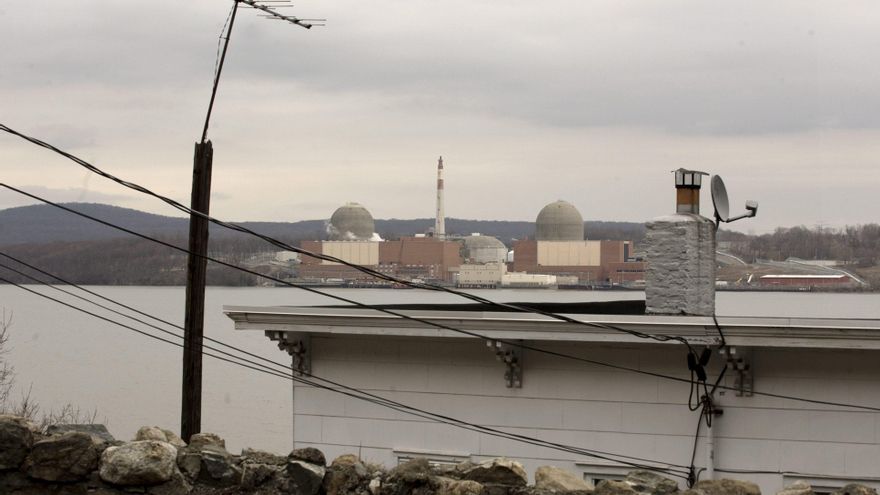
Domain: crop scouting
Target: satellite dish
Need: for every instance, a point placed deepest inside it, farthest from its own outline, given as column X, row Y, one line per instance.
column 722, row 206
column 719, row 200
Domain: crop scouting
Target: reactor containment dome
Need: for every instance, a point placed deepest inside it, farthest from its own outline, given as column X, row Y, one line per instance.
column 351, row 222
column 559, row 221
column 484, row 249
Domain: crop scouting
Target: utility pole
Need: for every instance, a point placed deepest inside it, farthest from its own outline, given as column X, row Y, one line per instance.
column 197, row 264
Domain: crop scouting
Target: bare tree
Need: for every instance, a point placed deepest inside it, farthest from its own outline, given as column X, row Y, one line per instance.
column 7, row 373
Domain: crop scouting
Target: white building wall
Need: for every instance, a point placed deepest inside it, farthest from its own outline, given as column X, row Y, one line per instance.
column 483, row 274
column 569, row 253
column 357, row 252
column 592, row 407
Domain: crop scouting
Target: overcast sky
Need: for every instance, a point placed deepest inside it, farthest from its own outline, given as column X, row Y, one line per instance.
column 592, row 102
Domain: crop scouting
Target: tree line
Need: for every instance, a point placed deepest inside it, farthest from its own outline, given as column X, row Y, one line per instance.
column 854, row 244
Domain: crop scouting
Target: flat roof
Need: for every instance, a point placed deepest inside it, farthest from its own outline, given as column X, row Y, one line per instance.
column 804, row 276
column 830, row 333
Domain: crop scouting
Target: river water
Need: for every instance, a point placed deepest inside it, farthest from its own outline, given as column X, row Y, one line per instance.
column 64, row 356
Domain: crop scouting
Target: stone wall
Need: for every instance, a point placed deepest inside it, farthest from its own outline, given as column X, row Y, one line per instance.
column 86, row 459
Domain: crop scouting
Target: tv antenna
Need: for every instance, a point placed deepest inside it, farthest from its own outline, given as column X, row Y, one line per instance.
column 197, row 265
column 722, row 205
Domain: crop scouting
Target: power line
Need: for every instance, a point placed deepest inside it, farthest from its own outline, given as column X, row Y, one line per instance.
column 439, row 325
column 366, row 396
column 324, row 257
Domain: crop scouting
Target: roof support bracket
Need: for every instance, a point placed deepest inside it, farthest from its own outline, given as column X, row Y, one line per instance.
column 511, row 356
column 298, row 345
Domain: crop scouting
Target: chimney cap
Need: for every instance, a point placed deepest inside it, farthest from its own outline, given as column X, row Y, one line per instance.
column 691, row 179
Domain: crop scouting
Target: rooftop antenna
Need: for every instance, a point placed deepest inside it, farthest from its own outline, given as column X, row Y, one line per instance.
column 191, row 403
column 722, row 205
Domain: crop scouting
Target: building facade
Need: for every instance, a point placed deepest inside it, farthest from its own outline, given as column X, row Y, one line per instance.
column 637, row 406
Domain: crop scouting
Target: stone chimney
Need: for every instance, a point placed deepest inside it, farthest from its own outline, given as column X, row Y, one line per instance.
column 680, row 250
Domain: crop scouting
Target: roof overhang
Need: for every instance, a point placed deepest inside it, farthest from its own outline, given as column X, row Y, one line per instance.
column 823, row 333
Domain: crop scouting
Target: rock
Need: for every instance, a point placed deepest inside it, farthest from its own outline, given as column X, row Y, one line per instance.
column 67, row 457
column 449, row 486
column 411, row 477
column 554, row 479
column 173, row 439
column 855, row 489
column 150, row 433
column 255, row 475
column 200, row 440
column 306, row 478
column 345, row 474
column 727, row 487
column 651, row 483
column 310, row 455
column 190, row 463
column 219, row 467
column 30, row 425
column 144, row 462
column 255, row 456
column 501, row 471
column 175, row 486
column 613, row 487
column 99, row 433
column 16, row 440
column 374, row 486
column 797, row 488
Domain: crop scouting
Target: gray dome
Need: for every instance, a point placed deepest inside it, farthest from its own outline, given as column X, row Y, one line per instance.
column 351, row 222
column 559, row 221
column 484, row 249
column 482, row 241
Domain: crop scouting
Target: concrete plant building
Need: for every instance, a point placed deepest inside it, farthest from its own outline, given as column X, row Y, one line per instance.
column 559, row 248
column 351, row 230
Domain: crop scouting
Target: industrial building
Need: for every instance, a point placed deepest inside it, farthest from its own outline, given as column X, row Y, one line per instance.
column 559, row 248
column 353, row 240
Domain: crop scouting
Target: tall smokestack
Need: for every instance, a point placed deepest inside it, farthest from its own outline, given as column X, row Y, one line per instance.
column 440, row 223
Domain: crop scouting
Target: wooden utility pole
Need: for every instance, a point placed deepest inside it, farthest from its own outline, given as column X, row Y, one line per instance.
column 197, row 266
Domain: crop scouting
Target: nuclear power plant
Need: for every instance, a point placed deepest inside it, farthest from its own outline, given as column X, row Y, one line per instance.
column 558, row 255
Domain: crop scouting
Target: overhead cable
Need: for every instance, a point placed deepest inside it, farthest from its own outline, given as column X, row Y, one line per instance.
column 521, row 345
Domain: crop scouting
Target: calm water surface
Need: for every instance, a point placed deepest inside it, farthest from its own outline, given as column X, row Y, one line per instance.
column 68, row 357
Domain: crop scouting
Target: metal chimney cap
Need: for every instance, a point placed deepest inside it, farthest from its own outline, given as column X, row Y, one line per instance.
column 688, row 178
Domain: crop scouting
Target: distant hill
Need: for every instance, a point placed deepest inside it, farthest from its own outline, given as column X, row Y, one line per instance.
column 40, row 224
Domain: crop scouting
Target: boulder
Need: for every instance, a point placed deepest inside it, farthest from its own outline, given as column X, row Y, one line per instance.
column 727, row 487
column 306, row 478
column 173, row 439
column 200, row 440
column 450, row 486
column 254, row 456
column 651, row 483
column 554, row 479
column 144, row 462
column 310, row 455
column 16, row 440
column 67, row 457
column 177, row 485
column 797, row 488
column 501, row 471
column 219, row 467
column 413, row 476
column 855, row 489
column 613, row 487
column 150, row 433
column 99, row 433
column 256, row 475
